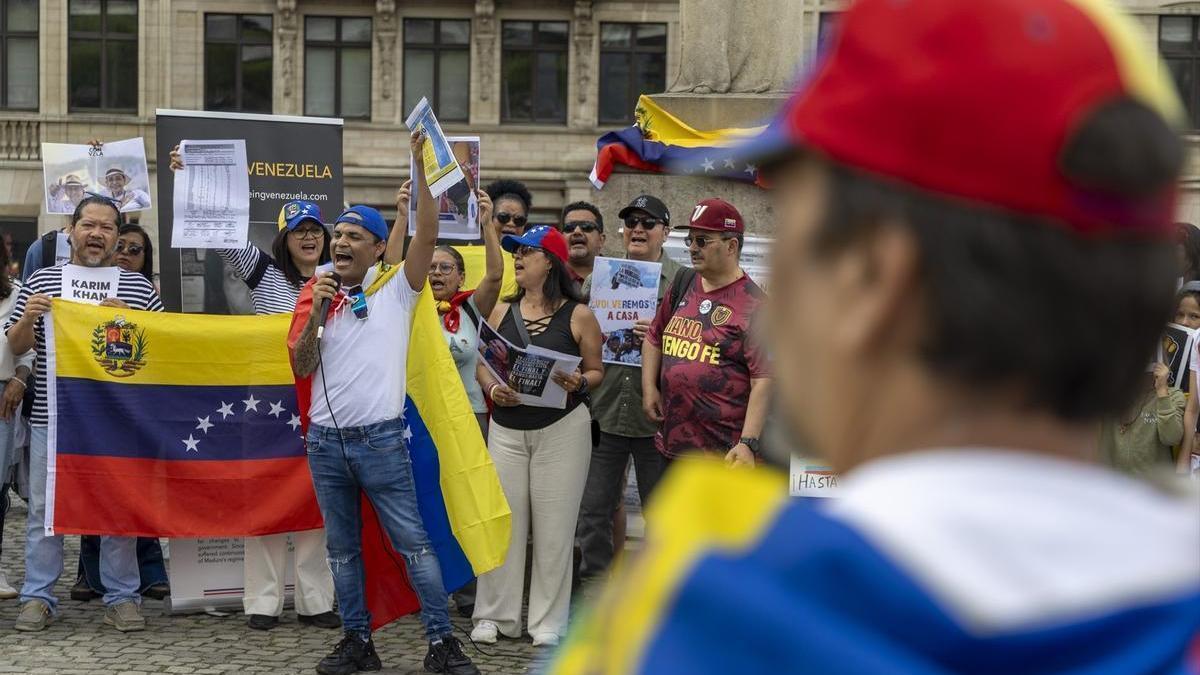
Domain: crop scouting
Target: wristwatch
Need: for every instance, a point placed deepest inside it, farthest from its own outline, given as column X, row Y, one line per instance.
column 751, row 443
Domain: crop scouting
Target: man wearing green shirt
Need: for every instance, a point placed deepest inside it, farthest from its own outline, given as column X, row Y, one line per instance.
column 1140, row 442
column 617, row 404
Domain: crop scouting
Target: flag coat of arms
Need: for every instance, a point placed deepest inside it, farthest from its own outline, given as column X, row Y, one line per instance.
column 173, row 425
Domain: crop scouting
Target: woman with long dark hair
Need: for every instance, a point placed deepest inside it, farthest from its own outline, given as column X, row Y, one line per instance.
column 134, row 251
column 14, row 372
column 1187, row 244
column 541, row 454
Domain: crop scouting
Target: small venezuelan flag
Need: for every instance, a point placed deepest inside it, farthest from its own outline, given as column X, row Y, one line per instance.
column 658, row 141
column 174, row 425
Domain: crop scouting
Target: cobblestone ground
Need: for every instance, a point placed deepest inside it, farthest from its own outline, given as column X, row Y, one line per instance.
column 79, row 642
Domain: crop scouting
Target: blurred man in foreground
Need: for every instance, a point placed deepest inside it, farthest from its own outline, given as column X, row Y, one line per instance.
column 951, row 197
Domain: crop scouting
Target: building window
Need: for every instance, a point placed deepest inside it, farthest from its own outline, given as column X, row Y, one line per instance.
column 237, row 62
column 437, row 65
column 1177, row 41
column 103, row 55
column 19, row 54
column 534, row 65
column 633, row 61
column 826, row 24
column 337, row 66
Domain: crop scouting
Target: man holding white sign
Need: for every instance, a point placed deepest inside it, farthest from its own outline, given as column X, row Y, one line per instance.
column 90, row 278
column 625, row 431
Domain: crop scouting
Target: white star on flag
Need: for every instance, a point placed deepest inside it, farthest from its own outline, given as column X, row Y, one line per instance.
column 707, row 164
column 294, row 423
column 751, row 169
column 251, row 404
column 730, row 164
column 191, row 444
column 408, row 434
column 204, row 425
column 276, row 409
column 226, row 409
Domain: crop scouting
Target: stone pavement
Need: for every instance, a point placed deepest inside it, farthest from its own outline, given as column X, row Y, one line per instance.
column 79, row 642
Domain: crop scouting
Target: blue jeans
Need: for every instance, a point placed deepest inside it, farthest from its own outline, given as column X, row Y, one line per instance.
column 375, row 461
column 151, row 567
column 44, row 555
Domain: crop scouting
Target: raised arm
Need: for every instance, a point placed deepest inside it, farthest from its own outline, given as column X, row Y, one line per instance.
column 420, row 249
column 488, row 290
column 394, row 253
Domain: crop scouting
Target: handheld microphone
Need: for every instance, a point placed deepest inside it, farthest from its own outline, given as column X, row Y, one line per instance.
column 323, row 308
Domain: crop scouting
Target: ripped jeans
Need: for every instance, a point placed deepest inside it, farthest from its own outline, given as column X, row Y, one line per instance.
column 375, row 460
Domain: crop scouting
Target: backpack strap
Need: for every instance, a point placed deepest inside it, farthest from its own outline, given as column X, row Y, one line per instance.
column 680, row 286
column 519, row 321
column 49, row 248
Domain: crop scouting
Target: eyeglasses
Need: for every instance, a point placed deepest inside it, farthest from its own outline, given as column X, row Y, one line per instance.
column 308, row 233
column 132, row 249
column 646, row 224
column 587, row 226
column 444, row 268
column 528, row 250
column 505, row 216
column 701, row 240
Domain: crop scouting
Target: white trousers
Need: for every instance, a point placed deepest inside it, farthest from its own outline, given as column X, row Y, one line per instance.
column 543, row 472
column 265, row 559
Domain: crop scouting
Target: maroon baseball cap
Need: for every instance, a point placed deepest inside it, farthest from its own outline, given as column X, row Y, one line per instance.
column 717, row 215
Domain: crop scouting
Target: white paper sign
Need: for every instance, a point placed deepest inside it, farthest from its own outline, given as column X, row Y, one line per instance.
column 526, row 371
column 811, row 478
column 458, row 206
column 212, row 195
column 89, row 285
column 441, row 167
column 623, row 292
column 208, row 574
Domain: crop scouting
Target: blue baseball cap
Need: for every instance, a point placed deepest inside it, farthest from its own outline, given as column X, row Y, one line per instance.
column 366, row 217
column 294, row 213
column 544, row 237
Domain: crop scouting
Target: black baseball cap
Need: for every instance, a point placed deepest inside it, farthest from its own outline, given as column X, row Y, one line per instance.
column 650, row 204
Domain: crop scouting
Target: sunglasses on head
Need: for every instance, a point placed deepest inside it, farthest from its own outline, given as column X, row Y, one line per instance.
column 588, row 226
column 505, row 216
column 647, row 224
column 131, row 249
column 701, row 240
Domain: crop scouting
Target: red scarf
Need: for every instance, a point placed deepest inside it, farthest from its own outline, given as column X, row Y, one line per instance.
column 451, row 317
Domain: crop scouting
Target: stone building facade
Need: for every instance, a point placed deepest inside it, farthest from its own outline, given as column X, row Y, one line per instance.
column 166, row 61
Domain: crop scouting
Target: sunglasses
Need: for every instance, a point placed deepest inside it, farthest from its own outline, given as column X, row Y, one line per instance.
column 646, row 224
column 587, row 226
column 701, row 240
column 132, row 249
column 528, row 250
column 503, row 217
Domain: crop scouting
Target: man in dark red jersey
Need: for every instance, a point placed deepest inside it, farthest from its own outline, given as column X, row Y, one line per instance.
column 704, row 373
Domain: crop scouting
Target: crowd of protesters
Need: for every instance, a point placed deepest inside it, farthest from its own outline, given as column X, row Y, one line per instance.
column 703, row 386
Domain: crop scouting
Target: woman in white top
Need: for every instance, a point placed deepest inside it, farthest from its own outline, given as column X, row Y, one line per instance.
column 13, row 372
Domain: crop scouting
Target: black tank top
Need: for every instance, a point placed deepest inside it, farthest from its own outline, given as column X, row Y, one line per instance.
column 557, row 335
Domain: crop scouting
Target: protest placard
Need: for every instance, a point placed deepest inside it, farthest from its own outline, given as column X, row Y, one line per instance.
column 526, row 370
column 458, row 207
column 623, row 292
column 1174, row 350
column 89, row 285
column 212, row 195
column 116, row 170
column 812, row 478
column 441, row 168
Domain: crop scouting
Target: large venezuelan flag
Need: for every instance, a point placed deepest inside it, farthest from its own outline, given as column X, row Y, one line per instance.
column 660, row 142
column 458, row 491
column 175, row 425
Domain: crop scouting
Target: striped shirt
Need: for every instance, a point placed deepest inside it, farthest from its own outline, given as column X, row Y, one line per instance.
column 269, row 288
column 133, row 289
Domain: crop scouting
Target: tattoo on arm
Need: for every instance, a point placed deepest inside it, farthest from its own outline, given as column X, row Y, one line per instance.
column 305, row 360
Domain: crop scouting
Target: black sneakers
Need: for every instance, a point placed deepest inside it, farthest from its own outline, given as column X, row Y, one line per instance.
column 328, row 620
column 351, row 655
column 262, row 621
column 447, row 656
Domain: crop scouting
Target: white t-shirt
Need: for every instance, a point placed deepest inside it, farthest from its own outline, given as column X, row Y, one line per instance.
column 364, row 361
